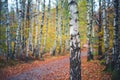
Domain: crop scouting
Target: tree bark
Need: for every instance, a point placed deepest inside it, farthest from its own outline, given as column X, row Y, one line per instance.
column 8, row 38
column 48, row 17
column 41, row 26
column 60, row 28
column 19, row 19
column 99, row 30
column 53, row 50
column 75, row 61
column 89, row 29
column 116, row 43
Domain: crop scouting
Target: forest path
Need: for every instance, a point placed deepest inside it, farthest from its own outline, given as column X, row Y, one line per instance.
column 58, row 69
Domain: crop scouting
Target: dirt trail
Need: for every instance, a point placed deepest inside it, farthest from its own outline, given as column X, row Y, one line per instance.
column 40, row 72
column 58, row 69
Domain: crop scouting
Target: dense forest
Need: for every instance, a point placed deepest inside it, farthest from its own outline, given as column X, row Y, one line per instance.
column 78, row 35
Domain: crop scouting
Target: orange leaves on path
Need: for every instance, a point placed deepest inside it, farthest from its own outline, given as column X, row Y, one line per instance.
column 55, row 68
column 93, row 70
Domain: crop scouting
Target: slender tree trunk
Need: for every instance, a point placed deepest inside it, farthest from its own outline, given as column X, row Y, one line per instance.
column 118, row 57
column 22, row 36
column 41, row 26
column 55, row 44
column 29, row 43
column 53, row 51
column 105, row 26
column 75, row 61
column 48, row 17
column 99, row 30
column 19, row 19
column 30, row 39
column 116, row 43
column 8, row 38
column 36, row 52
column 89, row 29
column 66, row 23
column 61, row 25
column 23, row 23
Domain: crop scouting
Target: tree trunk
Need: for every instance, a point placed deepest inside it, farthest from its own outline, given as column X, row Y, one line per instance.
column 41, row 26
column 89, row 29
column 60, row 28
column 105, row 26
column 53, row 51
column 19, row 19
column 66, row 24
column 116, row 43
column 75, row 61
column 99, row 30
column 48, row 17
column 29, row 41
column 8, row 38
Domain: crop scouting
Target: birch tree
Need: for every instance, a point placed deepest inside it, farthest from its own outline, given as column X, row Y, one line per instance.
column 100, row 29
column 36, row 28
column 66, row 24
column 116, row 43
column 41, row 26
column 19, row 20
column 23, row 23
column 105, row 26
column 61, row 25
column 29, row 43
column 75, row 63
column 47, row 21
column 89, row 28
column 118, row 57
column 53, row 50
column 8, row 38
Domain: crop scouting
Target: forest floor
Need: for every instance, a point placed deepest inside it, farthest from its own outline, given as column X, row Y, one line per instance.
column 54, row 68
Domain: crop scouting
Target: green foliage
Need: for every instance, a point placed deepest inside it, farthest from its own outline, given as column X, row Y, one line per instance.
column 102, row 61
column 82, row 21
column 3, row 46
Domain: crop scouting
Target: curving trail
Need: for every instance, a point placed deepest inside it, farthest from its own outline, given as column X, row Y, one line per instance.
column 43, row 71
column 58, row 69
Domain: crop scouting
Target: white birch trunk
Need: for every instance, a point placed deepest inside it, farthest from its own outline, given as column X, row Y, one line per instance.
column 89, row 29
column 53, row 50
column 105, row 26
column 41, row 27
column 75, row 62
column 116, row 42
column 29, row 41
column 48, row 18
column 8, row 38
column 61, row 26
column 19, row 19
